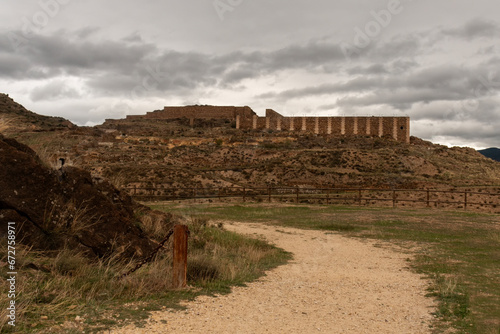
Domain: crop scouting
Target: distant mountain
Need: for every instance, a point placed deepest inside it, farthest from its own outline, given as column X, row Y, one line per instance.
column 14, row 118
column 492, row 153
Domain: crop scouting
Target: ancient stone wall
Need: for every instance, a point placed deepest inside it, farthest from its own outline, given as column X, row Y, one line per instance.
column 192, row 112
column 245, row 118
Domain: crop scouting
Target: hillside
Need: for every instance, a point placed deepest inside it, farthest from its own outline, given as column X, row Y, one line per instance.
column 212, row 153
column 492, row 153
column 19, row 118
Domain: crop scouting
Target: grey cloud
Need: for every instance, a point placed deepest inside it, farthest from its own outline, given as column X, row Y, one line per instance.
column 62, row 51
column 489, row 50
column 398, row 66
column 475, row 28
column 87, row 55
column 86, row 32
column 311, row 56
column 438, row 83
column 237, row 75
column 122, row 65
column 400, row 99
column 371, row 69
column 359, row 84
column 53, row 91
column 397, row 47
column 133, row 38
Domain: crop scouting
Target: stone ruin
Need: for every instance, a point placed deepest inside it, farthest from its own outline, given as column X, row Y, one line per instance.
column 245, row 118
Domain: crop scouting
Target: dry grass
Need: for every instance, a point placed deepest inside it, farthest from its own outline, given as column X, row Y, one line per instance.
column 154, row 225
column 69, row 218
column 66, row 284
column 119, row 180
column 4, row 124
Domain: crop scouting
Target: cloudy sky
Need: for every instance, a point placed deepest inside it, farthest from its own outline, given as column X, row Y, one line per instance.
column 437, row 61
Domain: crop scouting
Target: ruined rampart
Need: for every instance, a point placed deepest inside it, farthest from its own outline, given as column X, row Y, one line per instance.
column 397, row 128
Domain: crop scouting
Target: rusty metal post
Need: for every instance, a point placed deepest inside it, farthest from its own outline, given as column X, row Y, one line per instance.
column 180, row 256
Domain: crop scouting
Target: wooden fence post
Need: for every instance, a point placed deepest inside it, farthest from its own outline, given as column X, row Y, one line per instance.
column 328, row 196
column 359, row 196
column 269, row 193
column 244, row 194
column 394, row 198
column 428, row 198
column 181, row 233
column 297, row 192
column 465, row 201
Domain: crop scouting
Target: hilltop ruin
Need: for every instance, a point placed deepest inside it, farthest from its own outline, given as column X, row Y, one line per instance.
column 245, row 118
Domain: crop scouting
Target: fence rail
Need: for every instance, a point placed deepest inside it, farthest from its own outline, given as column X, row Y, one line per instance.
column 362, row 196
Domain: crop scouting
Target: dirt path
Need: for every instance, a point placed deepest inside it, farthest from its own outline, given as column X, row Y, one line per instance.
column 333, row 285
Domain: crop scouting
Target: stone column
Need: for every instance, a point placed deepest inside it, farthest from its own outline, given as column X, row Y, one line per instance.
column 254, row 122
column 304, row 125
column 268, row 122
column 407, row 130
column 316, row 125
column 329, row 130
column 237, row 121
column 278, row 126
column 292, row 119
column 380, row 126
column 395, row 128
column 368, row 125
column 342, row 125
column 355, row 131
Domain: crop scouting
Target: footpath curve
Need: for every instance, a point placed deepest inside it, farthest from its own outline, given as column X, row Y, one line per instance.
column 334, row 284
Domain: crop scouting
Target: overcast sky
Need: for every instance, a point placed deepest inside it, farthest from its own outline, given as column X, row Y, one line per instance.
column 86, row 60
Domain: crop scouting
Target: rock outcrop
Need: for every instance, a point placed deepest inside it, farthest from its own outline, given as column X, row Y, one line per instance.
column 53, row 209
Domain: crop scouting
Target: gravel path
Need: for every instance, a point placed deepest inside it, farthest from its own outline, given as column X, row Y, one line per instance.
column 333, row 285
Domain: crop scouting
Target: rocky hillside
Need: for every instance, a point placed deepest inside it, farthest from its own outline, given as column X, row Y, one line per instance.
column 18, row 118
column 213, row 153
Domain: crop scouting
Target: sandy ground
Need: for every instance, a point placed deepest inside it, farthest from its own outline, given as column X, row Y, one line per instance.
column 333, row 285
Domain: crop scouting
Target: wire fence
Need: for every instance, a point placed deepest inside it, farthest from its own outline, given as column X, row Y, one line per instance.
column 482, row 198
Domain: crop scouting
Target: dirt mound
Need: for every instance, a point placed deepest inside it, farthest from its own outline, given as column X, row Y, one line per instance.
column 67, row 207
